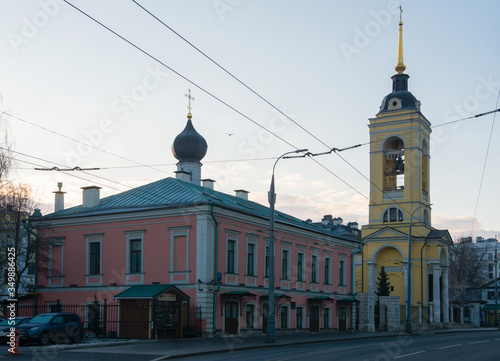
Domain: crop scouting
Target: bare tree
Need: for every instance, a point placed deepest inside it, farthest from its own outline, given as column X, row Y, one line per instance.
column 19, row 242
column 466, row 264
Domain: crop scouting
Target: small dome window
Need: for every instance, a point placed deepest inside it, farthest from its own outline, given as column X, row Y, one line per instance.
column 394, row 103
column 392, row 215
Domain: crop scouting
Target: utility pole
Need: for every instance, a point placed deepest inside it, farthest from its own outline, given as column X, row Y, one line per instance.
column 496, row 281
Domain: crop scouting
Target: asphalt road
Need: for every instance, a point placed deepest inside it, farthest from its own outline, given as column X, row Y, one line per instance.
column 473, row 346
column 456, row 346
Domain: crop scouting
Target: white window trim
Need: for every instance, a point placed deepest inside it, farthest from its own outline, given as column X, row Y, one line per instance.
column 234, row 238
column 283, row 250
column 303, row 319
column 327, row 257
column 134, row 235
column 316, row 268
column 254, row 326
column 255, row 250
column 94, row 238
column 343, row 281
column 303, row 275
column 178, row 232
column 329, row 317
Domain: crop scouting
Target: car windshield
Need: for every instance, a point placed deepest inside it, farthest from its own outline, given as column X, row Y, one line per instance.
column 6, row 322
column 41, row 319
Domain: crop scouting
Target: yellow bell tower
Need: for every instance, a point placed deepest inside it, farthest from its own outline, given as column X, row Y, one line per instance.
column 400, row 207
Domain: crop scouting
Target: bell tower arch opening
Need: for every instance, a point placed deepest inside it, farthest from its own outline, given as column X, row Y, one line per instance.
column 394, row 163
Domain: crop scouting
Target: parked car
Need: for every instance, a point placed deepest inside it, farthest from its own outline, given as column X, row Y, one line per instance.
column 52, row 327
column 5, row 326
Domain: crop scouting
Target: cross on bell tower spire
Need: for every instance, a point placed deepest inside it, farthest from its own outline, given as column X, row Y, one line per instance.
column 189, row 104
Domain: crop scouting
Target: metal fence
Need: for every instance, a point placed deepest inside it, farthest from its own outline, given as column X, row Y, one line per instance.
column 108, row 320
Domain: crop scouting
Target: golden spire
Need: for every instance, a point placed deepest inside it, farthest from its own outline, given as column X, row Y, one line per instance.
column 400, row 68
column 189, row 105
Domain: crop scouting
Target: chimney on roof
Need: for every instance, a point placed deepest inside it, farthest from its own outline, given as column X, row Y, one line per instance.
column 59, row 198
column 208, row 183
column 241, row 193
column 91, row 196
column 353, row 225
column 183, row 175
column 326, row 219
column 337, row 221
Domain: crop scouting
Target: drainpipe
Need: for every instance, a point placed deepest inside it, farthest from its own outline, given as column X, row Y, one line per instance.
column 216, row 262
column 353, row 274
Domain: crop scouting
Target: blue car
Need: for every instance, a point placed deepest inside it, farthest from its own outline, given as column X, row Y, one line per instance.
column 5, row 326
column 52, row 327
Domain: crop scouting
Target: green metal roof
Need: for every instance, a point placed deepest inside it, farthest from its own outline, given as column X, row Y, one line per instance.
column 491, row 307
column 320, row 298
column 174, row 193
column 238, row 293
column 144, row 291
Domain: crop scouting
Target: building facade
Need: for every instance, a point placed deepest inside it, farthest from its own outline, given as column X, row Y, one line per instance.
column 399, row 235
column 213, row 247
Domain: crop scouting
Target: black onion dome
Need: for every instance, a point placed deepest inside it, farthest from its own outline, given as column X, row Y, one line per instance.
column 189, row 145
column 400, row 98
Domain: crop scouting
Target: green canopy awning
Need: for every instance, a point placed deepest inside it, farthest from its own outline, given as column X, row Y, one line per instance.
column 491, row 307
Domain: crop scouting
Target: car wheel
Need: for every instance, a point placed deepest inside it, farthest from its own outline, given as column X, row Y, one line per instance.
column 44, row 339
column 78, row 337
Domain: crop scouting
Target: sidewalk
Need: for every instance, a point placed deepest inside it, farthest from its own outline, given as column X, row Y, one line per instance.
column 177, row 348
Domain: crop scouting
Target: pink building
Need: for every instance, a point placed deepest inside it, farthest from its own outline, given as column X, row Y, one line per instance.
column 210, row 245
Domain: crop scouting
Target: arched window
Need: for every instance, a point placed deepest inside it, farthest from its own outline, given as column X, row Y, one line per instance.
column 425, row 166
column 392, row 215
column 426, row 216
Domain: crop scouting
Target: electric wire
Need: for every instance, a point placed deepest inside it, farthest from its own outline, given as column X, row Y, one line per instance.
column 177, row 73
column 230, row 74
column 484, row 167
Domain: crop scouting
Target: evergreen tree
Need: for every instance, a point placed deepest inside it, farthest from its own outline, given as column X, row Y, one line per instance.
column 383, row 285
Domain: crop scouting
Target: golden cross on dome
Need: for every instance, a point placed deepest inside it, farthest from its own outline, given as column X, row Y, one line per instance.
column 190, row 98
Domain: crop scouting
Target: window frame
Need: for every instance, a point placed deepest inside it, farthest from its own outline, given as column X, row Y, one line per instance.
column 314, row 268
column 230, row 256
column 300, row 266
column 285, row 264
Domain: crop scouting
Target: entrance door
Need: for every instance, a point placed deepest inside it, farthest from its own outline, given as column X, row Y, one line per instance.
column 314, row 319
column 265, row 314
column 342, row 319
column 231, row 317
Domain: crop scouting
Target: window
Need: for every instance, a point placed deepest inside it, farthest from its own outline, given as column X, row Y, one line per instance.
column 249, row 316
column 314, row 271
column 266, row 272
column 342, row 272
column 300, row 266
column 284, row 264
column 250, row 259
column 490, row 256
column 230, row 256
column 393, row 215
column 135, row 256
column 490, row 271
column 326, row 318
column 94, row 258
column 426, row 216
column 299, row 314
column 491, row 295
column 284, row 316
column 327, row 270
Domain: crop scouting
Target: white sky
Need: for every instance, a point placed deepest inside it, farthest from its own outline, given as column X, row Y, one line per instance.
column 327, row 64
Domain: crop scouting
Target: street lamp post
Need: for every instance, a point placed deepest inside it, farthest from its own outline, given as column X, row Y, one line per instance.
column 408, row 328
column 271, row 319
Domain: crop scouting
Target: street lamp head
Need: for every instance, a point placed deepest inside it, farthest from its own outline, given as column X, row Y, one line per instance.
column 301, row 150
